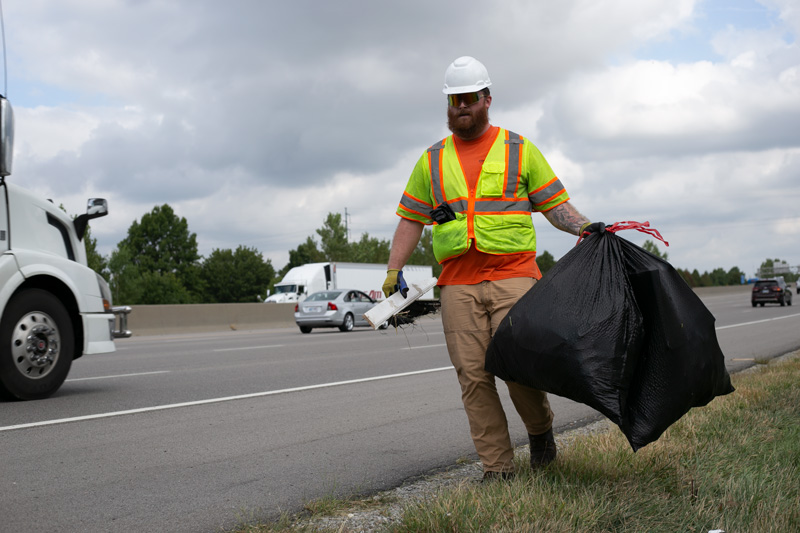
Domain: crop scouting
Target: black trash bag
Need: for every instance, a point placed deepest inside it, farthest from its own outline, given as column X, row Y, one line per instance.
column 576, row 333
column 615, row 328
column 681, row 365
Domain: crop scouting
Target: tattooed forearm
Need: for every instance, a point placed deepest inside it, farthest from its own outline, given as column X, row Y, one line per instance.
column 566, row 218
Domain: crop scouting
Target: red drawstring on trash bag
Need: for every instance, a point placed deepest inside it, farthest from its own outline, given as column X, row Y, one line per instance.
column 644, row 227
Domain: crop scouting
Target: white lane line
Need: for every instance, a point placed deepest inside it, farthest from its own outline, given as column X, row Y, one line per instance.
column 423, row 347
column 217, row 400
column 757, row 321
column 122, row 375
column 250, row 348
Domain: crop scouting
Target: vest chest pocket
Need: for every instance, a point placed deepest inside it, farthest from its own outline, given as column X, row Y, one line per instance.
column 492, row 180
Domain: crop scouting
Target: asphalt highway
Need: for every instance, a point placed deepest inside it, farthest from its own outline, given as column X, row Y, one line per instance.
column 196, row 433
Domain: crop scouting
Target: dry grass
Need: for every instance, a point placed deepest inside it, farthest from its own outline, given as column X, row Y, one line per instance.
column 732, row 465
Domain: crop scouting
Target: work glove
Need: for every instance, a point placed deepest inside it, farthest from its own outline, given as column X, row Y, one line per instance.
column 394, row 283
column 443, row 213
column 592, row 227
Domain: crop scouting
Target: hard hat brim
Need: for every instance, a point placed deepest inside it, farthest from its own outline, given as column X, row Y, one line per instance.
column 465, row 88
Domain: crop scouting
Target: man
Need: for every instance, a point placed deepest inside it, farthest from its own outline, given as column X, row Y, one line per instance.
column 479, row 187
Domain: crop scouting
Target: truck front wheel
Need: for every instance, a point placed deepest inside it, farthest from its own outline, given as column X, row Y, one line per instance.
column 36, row 346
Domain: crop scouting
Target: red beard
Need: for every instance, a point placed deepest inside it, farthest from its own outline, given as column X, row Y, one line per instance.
column 465, row 123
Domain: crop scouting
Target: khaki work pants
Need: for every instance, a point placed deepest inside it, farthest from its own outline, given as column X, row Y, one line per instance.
column 470, row 315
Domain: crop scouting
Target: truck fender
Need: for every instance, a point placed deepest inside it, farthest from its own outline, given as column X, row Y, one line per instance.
column 10, row 279
column 79, row 279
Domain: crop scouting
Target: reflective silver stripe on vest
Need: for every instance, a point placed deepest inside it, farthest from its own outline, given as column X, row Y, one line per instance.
column 548, row 192
column 459, row 206
column 416, row 206
column 488, row 206
column 436, row 178
column 514, row 143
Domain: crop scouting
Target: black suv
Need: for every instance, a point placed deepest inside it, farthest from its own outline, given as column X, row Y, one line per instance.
column 771, row 290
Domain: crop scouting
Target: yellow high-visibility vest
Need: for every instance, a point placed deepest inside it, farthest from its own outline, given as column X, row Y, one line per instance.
column 497, row 216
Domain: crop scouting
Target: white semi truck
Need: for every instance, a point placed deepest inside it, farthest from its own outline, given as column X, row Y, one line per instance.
column 53, row 307
column 303, row 280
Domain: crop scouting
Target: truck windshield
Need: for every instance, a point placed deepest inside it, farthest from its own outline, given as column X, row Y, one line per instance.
column 280, row 289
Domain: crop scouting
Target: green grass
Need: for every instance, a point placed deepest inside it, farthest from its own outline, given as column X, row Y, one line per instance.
column 732, row 465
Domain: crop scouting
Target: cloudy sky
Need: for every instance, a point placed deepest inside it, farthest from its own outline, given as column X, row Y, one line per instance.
column 253, row 119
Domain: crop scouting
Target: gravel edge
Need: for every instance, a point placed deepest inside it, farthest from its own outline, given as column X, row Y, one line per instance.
column 386, row 507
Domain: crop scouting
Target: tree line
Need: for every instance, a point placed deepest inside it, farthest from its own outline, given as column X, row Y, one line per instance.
column 158, row 262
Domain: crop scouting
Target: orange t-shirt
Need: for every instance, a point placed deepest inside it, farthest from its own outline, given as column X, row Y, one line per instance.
column 475, row 266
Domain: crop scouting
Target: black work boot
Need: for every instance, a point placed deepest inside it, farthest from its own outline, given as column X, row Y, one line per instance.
column 490, row 476
column 543, row 449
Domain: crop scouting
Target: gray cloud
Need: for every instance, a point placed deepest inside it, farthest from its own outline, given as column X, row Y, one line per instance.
column 256, row 118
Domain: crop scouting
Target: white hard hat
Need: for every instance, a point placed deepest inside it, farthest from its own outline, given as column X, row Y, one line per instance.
column 465, row 75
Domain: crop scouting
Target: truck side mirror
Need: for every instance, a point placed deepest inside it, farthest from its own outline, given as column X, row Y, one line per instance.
column 6, row 136
column 95, row 208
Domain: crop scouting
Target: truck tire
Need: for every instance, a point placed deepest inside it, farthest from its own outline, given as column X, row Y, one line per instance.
column 348, row 323
column 37, row 345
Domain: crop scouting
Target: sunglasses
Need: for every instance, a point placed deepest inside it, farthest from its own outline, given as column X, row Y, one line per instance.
column 467, row 99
